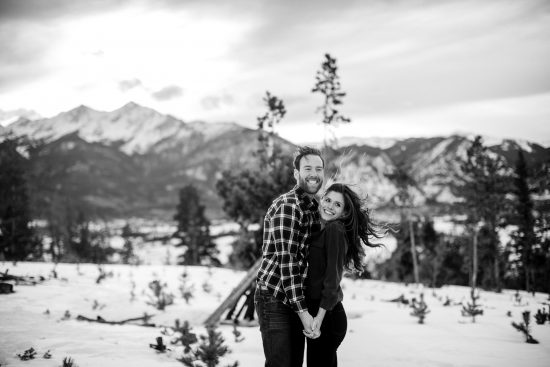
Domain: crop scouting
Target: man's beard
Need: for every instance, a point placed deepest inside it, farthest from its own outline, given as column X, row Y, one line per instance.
column 310, row 189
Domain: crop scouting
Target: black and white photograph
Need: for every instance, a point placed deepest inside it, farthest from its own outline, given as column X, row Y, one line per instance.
column 249, row 183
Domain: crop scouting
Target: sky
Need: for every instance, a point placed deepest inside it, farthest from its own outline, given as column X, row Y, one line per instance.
column 409, row 68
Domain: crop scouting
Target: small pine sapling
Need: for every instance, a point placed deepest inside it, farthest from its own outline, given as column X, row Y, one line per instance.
column 69, row 362
column 541, row 316
column 102, row 275
column 186, row 337
column 472, row 309
column 509, row 313
column 524, row 328
column 518, row 299
column 211, row 348
column 160, row 298
column 420, row 309
column 47, row 355
column 66, row 315
column 28, row 354
column 186, row 289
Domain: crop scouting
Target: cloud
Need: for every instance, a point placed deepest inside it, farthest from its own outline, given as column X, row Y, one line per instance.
column 215, row 102
column 53, row 9
column 168, row 92
column 126, row 85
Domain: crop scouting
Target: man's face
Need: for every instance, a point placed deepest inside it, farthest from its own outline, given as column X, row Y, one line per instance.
column 311, row 174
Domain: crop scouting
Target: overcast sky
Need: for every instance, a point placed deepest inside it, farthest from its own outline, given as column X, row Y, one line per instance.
column 410, row 68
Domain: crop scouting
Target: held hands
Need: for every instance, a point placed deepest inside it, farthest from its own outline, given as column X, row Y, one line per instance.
column 307, row 321
column 312, row 325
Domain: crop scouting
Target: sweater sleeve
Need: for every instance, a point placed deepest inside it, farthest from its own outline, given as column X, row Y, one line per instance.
column 336, row 248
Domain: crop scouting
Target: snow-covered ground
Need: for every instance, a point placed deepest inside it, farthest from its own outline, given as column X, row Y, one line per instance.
column 380, row 333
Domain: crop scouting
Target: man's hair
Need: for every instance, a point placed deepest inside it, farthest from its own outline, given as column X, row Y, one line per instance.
column 302, row 152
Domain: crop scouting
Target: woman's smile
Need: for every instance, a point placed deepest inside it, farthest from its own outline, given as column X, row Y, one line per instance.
column 332, row 206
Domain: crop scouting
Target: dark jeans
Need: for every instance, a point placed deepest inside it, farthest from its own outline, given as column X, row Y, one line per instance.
column 322, row 351
column 281, row 330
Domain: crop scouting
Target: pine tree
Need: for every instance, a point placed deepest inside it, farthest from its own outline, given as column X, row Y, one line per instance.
column 212, row 347
column 525, row 328
column 405, row 201
column 472, row 309
column 266, row 130
column 327, row 82
column 433, row 253
column 159, row 298
column 194, row 229
column 209, row 351
column 127, row 253
column 524, row 238
column 541, row 252
column 247, row 193
column 420, row 309
column 17, row 237
column 484, row 190
column 541, row 316
column 186, row 336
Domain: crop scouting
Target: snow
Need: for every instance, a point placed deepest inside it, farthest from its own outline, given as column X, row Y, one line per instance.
column 380, row 333
column 376, row 142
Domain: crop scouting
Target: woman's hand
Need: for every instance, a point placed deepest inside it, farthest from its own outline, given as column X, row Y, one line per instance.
column 318, row 321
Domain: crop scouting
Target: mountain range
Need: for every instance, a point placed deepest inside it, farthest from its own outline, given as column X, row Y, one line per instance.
column 132, row 161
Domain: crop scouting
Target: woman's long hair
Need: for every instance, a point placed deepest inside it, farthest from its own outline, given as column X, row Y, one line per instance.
column 358, row 225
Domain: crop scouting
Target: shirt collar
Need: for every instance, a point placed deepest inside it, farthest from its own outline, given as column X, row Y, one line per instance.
column 308, row 201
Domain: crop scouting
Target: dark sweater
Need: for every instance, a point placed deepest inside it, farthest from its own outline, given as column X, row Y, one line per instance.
column 326, row 258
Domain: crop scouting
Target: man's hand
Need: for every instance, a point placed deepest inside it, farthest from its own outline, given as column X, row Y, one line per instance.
column 307, row 320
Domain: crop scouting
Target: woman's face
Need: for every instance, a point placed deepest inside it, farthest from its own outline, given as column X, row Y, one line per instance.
column 332, row 206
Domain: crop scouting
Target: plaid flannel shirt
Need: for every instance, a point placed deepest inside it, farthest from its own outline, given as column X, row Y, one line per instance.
column 290, row 221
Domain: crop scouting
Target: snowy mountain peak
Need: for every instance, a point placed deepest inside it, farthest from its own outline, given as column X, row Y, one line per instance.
column 9, row 117
column 138, row 128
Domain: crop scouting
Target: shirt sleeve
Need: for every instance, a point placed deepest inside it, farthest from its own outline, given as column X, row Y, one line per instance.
column 287, row 236
column 335, row 247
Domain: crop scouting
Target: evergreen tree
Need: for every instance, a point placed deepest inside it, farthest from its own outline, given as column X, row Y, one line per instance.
column 433, row 254
column 405, row 201
column 327, row 82
column 484, row 189
column 472, row 309
column 266, row 130
column 524, row 328
column 524, row 238
column 194, row 229
column 17, row 237
column 419, row 309
column 127, row 253
column 541, row 253
column 247, row 193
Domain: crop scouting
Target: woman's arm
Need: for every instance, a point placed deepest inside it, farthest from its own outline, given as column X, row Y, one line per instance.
column 335, row 253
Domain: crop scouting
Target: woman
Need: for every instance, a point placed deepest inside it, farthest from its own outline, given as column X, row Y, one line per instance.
column 337, row 247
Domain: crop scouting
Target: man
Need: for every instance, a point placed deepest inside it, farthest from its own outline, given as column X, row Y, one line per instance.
column 280, row 303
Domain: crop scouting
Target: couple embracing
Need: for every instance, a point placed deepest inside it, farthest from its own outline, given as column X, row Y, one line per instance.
column 306, row 247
